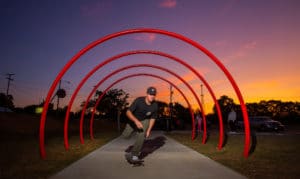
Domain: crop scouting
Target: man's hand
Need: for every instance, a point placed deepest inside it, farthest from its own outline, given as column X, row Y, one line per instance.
column 151, row 124
column 139, row 125
column 148, row 133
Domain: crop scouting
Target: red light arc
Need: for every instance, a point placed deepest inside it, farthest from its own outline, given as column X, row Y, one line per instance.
column 135, row 75
column 143, row 30
column 125, row 68
column 170, row 57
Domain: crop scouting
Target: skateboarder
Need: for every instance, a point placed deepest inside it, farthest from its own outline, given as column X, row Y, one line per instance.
column 142, row 114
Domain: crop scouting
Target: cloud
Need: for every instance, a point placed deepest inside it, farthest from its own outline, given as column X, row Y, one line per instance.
column 94, row 9
column 250, row 45
column 228, row 7
column 243, row 51
column 221, row 43
column 190, row 78
column 168, row 4
column 146, row 37
column 218, row 83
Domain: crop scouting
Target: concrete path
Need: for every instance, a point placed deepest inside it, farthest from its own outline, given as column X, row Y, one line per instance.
column 164, row 159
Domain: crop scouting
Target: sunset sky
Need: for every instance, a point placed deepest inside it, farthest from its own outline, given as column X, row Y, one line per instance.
column 258, row 41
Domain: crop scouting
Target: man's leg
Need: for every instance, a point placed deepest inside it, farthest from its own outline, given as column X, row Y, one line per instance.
column 127, row 131
column 140, row 138
column 126, row 134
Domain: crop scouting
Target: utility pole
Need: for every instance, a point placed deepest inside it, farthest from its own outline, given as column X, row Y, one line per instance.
column 202, row 96
column 171, row 99
column 57, row 104
column 118, row 119
column 9, row 75
column 170, row 109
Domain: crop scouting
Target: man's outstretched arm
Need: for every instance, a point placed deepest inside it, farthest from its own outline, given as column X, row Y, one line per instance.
column 151, row 124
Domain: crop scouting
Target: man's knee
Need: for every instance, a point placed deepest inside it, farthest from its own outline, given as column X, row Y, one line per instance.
column 140, row 134
column 125, row 136
column 127, row 132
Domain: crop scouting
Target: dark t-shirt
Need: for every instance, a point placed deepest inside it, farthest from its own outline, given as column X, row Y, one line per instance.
column 141, row 110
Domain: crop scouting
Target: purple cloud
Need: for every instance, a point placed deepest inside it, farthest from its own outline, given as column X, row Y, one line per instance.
column 146, row 37
column 168, row 4
column 94, row 9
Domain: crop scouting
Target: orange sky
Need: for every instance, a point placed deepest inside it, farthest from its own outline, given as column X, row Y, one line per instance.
column 257, row 41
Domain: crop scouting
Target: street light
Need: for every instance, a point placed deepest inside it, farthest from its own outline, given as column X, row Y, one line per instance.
column 61, row 93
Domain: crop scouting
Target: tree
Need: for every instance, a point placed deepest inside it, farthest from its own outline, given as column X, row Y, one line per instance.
column 283, row 111
column 182, row 114
column 162, row 106
column 114, row 101
column 6, row 101
column 226, row 104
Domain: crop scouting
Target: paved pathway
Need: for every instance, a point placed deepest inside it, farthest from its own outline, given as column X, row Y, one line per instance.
column 164, row 158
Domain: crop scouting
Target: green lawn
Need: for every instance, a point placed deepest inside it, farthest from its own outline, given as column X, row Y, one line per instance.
column 20, row 157
column 275, row 156
column 19, row 151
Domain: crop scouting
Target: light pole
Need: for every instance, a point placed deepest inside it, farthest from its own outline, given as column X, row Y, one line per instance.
column 61, row 93
column 170, row 109
column 202, row 97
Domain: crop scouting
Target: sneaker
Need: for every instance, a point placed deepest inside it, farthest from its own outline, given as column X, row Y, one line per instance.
column 135, row 159
column 132, row 158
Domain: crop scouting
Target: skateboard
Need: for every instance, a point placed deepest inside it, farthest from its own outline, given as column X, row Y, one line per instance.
column 134, row 163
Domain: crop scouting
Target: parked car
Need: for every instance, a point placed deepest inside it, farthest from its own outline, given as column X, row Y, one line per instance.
column 262, row 123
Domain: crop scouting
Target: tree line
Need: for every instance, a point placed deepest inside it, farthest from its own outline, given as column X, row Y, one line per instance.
column 115, row 102
column 286, row 112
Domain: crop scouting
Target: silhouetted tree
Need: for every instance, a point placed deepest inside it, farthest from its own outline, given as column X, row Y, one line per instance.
column 6, row 101
column 282, row 111
column 113, row 101
column 30, row 108
column 226, row 104
column 182, row 114
column 161, row 108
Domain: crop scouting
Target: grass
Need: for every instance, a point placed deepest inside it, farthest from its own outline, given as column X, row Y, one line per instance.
column 275, row 156
column 19, row 151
